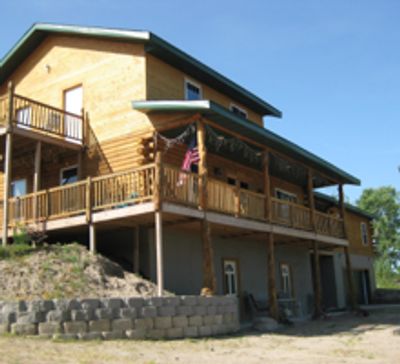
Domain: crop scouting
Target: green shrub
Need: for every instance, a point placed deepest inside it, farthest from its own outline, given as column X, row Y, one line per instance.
column 15, row 250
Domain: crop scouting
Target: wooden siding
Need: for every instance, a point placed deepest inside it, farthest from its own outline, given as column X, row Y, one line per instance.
column 165, row 82
column 354, row 234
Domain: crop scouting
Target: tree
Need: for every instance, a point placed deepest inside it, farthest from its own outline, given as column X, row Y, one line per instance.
column 384, row 204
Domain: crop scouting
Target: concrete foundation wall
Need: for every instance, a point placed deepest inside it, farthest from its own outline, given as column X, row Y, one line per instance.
column 118, row 318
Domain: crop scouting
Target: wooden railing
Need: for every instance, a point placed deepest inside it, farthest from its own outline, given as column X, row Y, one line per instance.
column 179, row 186
column 114, row 190
column 131, row 187
column 291, row 214
column 329, row 225
column 36, row 116
column 221, row 197
column 123, row 189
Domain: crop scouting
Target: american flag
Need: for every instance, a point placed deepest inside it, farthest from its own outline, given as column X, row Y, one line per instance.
column 191, row 157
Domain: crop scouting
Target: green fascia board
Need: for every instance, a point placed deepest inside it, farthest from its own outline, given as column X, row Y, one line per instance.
column 251, row 130
column 153, row 44
column 348, row 206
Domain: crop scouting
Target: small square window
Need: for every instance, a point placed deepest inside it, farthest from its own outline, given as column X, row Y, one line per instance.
column 364, row 233
column 18, row 187
column 69, row 175
column 192, row 91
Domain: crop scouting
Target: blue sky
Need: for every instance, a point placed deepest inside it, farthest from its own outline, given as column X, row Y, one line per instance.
column 331, row 67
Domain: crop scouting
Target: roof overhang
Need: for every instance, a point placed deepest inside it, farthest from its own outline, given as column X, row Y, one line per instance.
column 249, row 129
column 154, row 45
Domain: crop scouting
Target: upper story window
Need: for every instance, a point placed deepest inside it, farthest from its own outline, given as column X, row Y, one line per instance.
column 192, row 90
column 239, row 111
column 18, row 187
column 69, row 175
column 364, row 233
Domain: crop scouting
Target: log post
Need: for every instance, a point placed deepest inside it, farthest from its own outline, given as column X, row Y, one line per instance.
column 92, row 238
column 136, row 250
column 272, row 295
column 349, row 272
column 159, row 253
column 209, row 280
column 8, row 163
column 158, row 182
column 267, row 187
column 311, row 200
column 36, row 177
column 317, row 281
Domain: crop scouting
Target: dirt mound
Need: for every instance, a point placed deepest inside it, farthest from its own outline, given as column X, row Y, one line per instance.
column 67, row 271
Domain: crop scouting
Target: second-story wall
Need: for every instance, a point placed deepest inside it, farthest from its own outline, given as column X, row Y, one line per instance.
column 165, row 82
column 354, row 234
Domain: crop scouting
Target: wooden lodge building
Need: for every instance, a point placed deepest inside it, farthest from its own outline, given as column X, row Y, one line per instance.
column 94, row 127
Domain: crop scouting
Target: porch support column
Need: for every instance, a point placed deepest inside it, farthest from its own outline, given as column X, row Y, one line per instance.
column 311, row 201
column 37, row 177
column 92, row 238
column 317, row 281
column 272, row 295
column 209, row 280
column 159, row 253
column 136, row 248
column 7, row 163
column 158, row 224
column 349, row 273
column 267, row 187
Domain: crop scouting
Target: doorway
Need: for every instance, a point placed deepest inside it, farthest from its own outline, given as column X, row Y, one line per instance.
column 73, row 103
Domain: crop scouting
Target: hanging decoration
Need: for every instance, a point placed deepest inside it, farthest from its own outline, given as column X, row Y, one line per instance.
column 180, row 139
column 233, row 145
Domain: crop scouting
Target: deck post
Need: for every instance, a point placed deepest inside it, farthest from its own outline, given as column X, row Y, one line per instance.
column 349, row 273
column 8, row 163
column 159, row 253
column 136, row 250
column 36, row 177
column 209, row 280
column 92, row 238
column 311, row 201
column 317, row 281
column 272, row 295
column 267, row 187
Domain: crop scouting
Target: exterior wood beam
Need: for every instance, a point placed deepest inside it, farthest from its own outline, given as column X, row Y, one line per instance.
column 159, row 253
column 136, row 250
column 92, row 238
column 8, row 163
column 311, row 200
column 272, row 294
column 317, row 281
column 267, row 187
column 349, row 273
column 209, row 280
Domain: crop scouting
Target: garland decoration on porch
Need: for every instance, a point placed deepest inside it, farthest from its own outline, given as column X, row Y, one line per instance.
column 180, row 139
column 232, row 144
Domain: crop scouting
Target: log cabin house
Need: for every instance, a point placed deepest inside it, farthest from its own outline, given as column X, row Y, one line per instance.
column 95, row 124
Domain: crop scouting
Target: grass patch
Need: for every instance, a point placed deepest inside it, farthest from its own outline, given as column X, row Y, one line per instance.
column 16, row 250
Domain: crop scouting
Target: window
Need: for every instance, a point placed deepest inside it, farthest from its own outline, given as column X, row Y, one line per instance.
column 192, row 91
column 230, row 277
column 286, row 280
column 239, row 111
column 364, row 233
column 68, row 175
column 283, row 210
column 18, row 187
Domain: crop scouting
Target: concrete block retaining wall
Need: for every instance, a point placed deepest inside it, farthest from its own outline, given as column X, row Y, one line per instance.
column 117, row 318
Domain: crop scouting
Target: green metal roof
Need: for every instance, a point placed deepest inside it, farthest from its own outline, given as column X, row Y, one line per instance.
column 348, row 206
column 153, row 45
column 229, row 120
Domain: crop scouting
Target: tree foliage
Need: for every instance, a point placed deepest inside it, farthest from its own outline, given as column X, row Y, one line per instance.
column 384, row 204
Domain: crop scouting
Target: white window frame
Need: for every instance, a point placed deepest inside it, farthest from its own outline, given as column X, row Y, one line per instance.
column 18, row 180
column 286, row 279
column 290, row 194
column 364, row 233
column 235, row 106
column 195, row 84
column 62, row 170
column 231, row 278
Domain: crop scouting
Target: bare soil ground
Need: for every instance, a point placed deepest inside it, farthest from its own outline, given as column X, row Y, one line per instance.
column 344, row 339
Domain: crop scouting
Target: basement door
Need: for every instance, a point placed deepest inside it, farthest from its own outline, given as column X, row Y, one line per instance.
column 73, row 103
